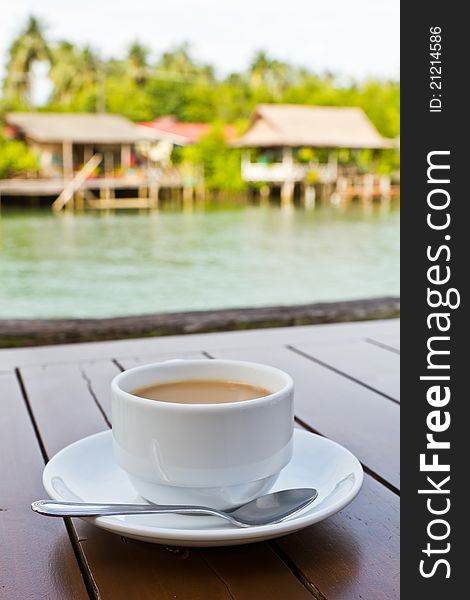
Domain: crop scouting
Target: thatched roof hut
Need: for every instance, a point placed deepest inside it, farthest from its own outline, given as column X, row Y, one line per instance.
column 66, row 141
column 295, row 126
column 79, row 128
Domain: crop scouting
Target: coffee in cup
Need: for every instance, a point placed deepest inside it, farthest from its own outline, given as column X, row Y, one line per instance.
column 201, row 391
column 220, row 454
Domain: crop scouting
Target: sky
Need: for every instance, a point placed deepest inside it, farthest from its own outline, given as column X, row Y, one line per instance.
column 357, row 39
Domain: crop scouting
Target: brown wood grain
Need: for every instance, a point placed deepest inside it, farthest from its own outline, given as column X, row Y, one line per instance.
column 345, row 411
column 36, row 558
column 62, row 405
column 355, row 553
column 123, row 569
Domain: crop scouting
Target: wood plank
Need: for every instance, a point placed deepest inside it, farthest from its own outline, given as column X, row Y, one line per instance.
column 260, row 580
column 17, row 357
column 134, row 569
column 37, row 558
column 355, row 553
column 124, row 568
column 62, row 405
column 369, row 364
column 135, row 361
column 99, row 373
column 345, row 411
column 390, row 341
column 362, row 561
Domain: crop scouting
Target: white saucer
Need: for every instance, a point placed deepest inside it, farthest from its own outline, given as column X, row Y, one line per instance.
column 86, row 471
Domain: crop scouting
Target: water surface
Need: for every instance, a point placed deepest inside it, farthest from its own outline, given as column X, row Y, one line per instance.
column 95, row 265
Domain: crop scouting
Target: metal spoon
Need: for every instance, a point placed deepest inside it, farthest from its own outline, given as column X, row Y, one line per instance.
column 271, row 508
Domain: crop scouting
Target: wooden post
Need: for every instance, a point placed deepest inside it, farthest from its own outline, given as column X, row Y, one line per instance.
column 287, row 194
column 368, row 188
column 264, row 193
column 200, row 189
column 67, row 160
column 108, row 163
column 67, row 166
column 125, row 156
column 340, row 195
column 153, row 196
column 333, row 164
column 79, row 200
column 87, row 152
column 309, row 196
column 385, row 187
column 287, row 189
column 188, row 196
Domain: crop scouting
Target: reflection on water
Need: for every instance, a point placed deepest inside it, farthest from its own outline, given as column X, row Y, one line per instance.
column 94, row 265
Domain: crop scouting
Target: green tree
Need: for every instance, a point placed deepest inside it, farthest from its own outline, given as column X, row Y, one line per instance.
column 125, row 97
column 221, row 165
column 137, row 63
column 77, row 77
column 27, row 49
column 16, row 158
column 63, row 73
column 178, row 65
column 270, row 73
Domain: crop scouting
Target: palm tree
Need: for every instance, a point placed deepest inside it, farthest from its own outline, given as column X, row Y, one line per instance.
column 90, row 68
column 73, row 72
column 177, row 65
column 271, row 73
column 27, row 49
column 258, row 68
column 137, row 63
column 63, row 72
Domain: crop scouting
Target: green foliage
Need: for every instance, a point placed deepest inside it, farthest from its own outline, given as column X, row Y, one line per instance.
column 221, row 164
column 16, row 159
column 176, row 84
column 125, row 98
column 29, row 47
column 305, row 155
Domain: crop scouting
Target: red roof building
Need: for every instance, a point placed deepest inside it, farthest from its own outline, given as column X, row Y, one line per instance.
column 184, row 133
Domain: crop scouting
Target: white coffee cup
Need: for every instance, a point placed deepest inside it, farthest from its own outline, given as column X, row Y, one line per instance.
column 220, row 455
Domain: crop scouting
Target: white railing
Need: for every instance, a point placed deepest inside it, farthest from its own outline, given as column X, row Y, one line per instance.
column 281, row 172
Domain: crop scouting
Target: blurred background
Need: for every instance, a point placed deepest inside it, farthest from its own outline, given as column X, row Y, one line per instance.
column 197, row 155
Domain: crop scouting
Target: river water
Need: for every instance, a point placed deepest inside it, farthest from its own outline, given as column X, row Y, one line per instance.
column 95, row 265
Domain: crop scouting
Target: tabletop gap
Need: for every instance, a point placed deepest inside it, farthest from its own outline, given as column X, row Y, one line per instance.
column 366, row 469
column 340, row 372
column 309, row 585
column 346, row 412
column 382, row 345
column 31, row 415
column 64, row 404
column 346, row 556
column 41, row 560
column 88, row 580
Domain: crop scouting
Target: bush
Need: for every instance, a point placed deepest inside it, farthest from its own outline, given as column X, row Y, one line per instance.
column 16, row 159
column 221, row 164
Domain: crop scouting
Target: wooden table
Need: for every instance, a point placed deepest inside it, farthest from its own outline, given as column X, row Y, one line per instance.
column 347, row 388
